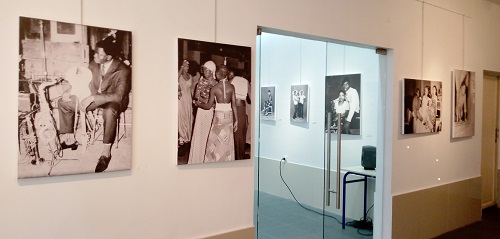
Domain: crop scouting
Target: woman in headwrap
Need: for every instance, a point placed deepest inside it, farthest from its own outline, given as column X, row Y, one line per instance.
column 204, row 117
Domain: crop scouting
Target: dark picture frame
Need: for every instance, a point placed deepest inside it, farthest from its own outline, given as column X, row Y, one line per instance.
column 199, row 139
column 299, row 103
column 463, row 108
column 59, row 70
column 343, row 107
column 268, row 103
column 422, row 106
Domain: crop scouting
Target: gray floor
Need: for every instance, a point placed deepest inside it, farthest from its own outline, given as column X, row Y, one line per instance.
column 283, row 218
column 487, row 228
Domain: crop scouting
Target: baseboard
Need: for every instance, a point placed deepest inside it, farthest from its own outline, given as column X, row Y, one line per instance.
column 433, row 211
column 246, row 233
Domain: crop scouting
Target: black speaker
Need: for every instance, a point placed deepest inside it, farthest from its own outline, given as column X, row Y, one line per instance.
column 369, row 157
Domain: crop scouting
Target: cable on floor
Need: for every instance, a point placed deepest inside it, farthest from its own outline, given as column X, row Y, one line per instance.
column 322, row 214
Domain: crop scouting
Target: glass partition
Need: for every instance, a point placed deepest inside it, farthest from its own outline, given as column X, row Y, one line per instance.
column 299, row 81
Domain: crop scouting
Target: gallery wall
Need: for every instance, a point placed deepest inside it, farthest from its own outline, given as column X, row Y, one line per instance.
column 158, row 199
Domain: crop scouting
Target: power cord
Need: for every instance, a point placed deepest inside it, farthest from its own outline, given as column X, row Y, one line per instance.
column 300, row 204
column 361, row 225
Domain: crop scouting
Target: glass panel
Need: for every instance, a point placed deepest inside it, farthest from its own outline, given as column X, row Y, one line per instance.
column 291, row 164
column 292, row 99
column 352, row 86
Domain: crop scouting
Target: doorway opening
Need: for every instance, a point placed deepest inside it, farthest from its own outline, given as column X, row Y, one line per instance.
column 300, row 192
column 490, row 137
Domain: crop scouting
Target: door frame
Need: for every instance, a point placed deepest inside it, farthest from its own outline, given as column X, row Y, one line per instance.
column 382, row 221
column 495, row 189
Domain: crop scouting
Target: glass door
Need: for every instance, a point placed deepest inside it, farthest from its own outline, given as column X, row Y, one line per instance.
column 299, row 83
column 290, row 154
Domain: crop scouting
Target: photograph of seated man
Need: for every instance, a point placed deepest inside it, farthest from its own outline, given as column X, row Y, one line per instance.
column 74, row 104
column 268, row 109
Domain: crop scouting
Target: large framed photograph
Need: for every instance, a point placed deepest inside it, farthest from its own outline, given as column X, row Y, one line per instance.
column 299, row 98
column 463, row 108
column 74, row 104
column 213, row 102
column 342, row 102
column 422, row 106
column 267, row 103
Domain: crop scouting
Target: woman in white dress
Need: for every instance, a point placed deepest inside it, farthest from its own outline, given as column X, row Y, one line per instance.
column 185, row 93
column 425, row 125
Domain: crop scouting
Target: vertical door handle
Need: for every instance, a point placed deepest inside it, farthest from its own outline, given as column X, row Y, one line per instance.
column 328, row 158
column 339, row 144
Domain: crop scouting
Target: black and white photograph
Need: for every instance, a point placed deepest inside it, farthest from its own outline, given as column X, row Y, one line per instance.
column 75, row 100
column 463, row 108
column 214, row 83
column 342, row 102
column 267, row 103
column 298, row 103
column 422, row 100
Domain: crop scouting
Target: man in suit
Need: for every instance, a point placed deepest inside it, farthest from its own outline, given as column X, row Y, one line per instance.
column 109, row 88
column 352, row 98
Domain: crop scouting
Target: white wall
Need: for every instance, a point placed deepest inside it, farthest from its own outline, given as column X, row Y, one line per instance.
column 157, row 199
column 287, row 61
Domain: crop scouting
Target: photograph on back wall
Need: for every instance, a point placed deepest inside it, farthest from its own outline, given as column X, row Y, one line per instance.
column 463, row 108
column 267, row 103
column 342, row 102
column 298, row 103
column 75, row 108
column 422, row 100
column 213, row 102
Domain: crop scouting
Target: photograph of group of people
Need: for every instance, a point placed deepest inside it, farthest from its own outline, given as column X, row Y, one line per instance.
column 74, row 98
column 422, row 106
column 267, row 104
column 298, row 103
column 342, row 103
column 213, row 102
column 463, row 103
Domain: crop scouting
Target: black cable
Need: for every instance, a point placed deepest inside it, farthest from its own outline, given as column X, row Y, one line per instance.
column 365, row 220
column 322, row 214
column 300, row 204
column 369, row 209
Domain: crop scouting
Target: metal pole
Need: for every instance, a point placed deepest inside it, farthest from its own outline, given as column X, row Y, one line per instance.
column 339, row 144
column 328, row 159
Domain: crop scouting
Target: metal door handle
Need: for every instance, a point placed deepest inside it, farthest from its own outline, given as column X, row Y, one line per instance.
column 328, row 164
column 328, row 158
column 339, row 144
